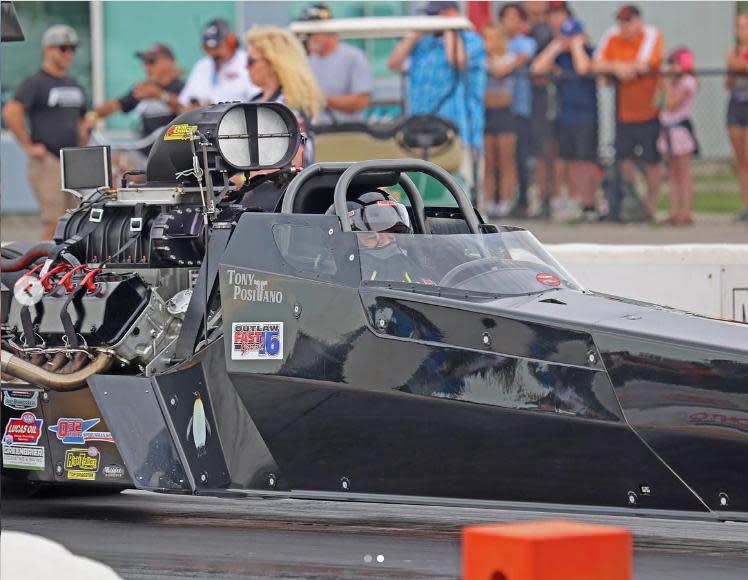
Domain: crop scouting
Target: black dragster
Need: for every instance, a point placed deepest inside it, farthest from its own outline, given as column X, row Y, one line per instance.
column 186, row 335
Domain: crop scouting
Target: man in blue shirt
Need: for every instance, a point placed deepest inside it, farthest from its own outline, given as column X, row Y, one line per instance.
column 570, row 56
column 513, row 18
column 446, row 77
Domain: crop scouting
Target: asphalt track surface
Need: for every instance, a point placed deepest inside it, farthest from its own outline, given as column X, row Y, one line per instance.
column 146, row 535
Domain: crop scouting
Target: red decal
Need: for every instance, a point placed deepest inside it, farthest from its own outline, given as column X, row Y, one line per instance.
column 548, row 280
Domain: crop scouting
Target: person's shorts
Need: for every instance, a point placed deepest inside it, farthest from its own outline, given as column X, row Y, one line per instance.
column 638, row 140
column 737, row 114
column 44, row 178
column 541, row 126
column 578, row 142
column 499, row 120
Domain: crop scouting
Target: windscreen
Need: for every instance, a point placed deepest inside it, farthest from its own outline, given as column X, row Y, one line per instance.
column 507, row 263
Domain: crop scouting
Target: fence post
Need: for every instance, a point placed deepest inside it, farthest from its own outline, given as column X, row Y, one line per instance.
column 616, row 196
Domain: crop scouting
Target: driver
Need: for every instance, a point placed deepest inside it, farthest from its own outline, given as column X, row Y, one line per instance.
column 379, row 217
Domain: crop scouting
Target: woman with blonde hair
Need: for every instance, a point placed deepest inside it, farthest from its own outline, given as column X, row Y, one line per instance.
column 278, row 65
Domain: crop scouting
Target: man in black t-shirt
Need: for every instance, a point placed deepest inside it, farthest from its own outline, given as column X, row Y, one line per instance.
column 55, row 105
column 155, row 99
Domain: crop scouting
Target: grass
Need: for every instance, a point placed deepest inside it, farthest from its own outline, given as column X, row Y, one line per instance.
column 708, row 202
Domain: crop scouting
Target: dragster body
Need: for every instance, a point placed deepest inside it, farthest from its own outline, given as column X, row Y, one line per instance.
column 229, row 350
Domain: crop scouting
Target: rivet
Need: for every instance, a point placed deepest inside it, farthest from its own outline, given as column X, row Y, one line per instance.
column 633, row 499
column 329, row 232
column 297, row 310
column 350, row 258
column 272, row 480
column 724, row 499
column 345, row 484
column 382, row 323
column 173, row 401
column 58, row 469
column 45, row 397
column 591, row 357
column 486, row 339
column 203, row 477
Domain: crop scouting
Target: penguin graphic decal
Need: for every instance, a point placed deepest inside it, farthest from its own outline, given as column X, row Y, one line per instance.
column 199, row 425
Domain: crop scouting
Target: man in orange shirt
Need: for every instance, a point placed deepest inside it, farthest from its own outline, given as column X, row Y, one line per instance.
column 632, row 53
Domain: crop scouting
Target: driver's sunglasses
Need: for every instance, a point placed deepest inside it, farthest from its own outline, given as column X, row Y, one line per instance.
column 66, row 48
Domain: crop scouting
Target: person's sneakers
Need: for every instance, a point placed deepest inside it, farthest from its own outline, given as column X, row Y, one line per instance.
column 743, row 214
column 589, row 215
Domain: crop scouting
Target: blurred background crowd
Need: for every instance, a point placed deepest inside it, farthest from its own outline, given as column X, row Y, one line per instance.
column 578, row 111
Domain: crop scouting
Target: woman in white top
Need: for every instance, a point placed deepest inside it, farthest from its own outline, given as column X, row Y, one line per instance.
column 278, row 65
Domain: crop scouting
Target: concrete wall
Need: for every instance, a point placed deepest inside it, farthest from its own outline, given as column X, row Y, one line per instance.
column 707, row 279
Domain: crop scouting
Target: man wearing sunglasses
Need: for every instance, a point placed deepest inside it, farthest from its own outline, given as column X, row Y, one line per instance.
column 156, row 99
column 55, row 106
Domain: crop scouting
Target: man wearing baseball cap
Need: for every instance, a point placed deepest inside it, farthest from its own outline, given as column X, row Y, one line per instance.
column 155, row 99
column 570, row 55
column 632, row 52
column 55, row 105
column 221, row 75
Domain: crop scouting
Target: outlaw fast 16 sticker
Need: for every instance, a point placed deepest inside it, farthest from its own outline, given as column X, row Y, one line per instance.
column 21, row 400
column 257, row 341
column 82, row 463
column 78, row 431
column 23, row 430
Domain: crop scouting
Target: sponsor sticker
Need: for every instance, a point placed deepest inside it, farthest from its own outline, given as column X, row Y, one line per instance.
column 23, row 430
column 257, row 341
column 78, row 431
column 113, row 471
column 85, row 475
column 181, row 132
column 548, row 280
column 82, row 459
column 31, row 458
column 21, row 400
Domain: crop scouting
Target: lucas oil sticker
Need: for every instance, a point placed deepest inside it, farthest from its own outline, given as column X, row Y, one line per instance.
column 181, row 132
column 20, row 457
column 23, row 430
column 82, row 463
column 78, row 431
column 257, row 341
column 21, row 400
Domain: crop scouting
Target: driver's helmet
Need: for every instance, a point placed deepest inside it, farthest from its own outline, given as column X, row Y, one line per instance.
column 377, row 211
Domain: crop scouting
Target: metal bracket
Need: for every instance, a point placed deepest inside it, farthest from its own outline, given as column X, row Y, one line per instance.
column 96, row 214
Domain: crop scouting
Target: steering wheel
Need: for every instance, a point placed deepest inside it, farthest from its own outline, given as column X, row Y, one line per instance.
column 468, row 270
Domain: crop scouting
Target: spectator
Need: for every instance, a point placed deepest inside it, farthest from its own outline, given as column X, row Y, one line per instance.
column 677, row 141
column 514, row 21
column 55, row 105
column 737, row 112
column 341, row 70
column 570, row 55
column 221, row 75
column 278, row 65
column 632, row 53
column 156, row 99
column 540, row 143
column 447, row 77
column 500, row 138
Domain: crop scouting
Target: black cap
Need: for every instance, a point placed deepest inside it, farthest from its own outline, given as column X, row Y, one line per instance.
column 215, row 32
column 628, row 11
column 316, row 12
column 433, row 8
column 154, row 51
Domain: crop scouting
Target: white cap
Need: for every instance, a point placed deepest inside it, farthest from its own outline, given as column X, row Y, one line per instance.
column 60, row 35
